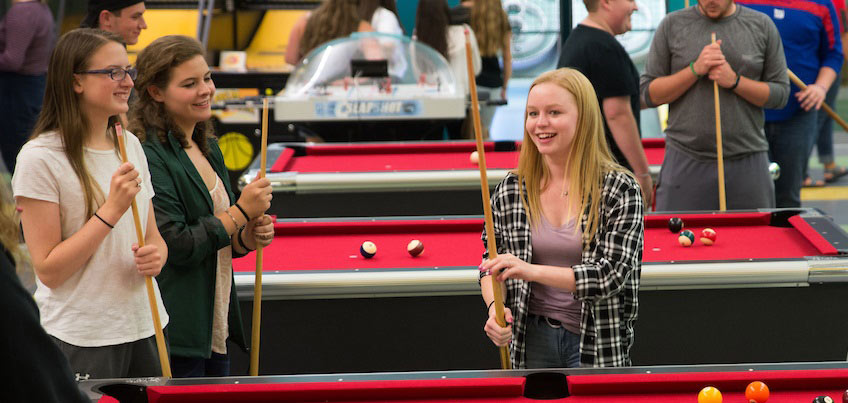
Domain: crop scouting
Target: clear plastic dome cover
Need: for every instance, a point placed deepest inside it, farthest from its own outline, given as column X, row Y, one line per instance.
column 354, row 64
column 371, row 76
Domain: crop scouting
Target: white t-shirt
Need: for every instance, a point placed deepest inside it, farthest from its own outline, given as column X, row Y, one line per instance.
column 385, row 21
column 457, row 58
column 105, row 302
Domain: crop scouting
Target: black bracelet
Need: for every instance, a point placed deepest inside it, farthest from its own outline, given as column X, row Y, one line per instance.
column 489, row 308
column 736, row 84
column 241, row 242
column 244, row 213
column 104, row 221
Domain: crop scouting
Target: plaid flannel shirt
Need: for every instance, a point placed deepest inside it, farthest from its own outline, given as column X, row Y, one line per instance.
column 607, row 279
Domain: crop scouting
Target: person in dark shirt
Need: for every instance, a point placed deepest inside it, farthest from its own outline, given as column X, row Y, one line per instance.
column 592, row 49
column 26, row 40
column 34, row 367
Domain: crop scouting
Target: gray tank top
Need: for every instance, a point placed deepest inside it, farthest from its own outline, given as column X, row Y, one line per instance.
column 556, row 246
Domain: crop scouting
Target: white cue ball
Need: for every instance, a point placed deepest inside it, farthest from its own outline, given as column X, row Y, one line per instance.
column 474, row 158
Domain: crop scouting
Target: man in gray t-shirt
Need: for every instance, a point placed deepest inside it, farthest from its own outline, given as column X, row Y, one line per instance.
column 748, row 64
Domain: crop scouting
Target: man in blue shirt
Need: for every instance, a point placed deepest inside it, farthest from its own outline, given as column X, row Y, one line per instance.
column 809, row 30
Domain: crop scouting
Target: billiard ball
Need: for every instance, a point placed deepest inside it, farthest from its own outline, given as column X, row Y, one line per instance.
column 709, row 395
column 415, row 247
column 823, row 399
column 845, row 397
column 368, row 249
column 474, row 158
column 708, row 236
column 686, row 238
column 675, row 224
column 757, row 392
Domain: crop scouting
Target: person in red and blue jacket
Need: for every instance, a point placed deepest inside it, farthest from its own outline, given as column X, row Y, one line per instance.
column 809, row 30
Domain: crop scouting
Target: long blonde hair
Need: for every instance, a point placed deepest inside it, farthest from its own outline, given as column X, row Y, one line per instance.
column 10, row 235
column 589, row 157
column 61, row 110
column 491, row 26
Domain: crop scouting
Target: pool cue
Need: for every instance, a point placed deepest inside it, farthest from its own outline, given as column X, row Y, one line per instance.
column 484, row 187
column 257, row 282
column 722, row 198
column 800, row 84
column 148, row 280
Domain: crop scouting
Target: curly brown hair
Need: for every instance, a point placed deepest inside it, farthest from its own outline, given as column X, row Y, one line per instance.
column 331, row 20
column 155, row 64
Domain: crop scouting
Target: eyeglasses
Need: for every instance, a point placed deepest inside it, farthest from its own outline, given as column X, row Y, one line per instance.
column 115, row 73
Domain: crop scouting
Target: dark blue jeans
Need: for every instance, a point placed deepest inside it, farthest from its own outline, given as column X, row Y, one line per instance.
column 789, row 142
column 550, row 346
column 192, row 367
column 20, row 103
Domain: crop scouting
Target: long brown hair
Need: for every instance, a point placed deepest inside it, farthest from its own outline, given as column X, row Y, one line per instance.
column 368, row 7
column 61, row 110
column 431, row 24
column 490, row 25
column 589, row 158
column 331, row 20
column 155, row 64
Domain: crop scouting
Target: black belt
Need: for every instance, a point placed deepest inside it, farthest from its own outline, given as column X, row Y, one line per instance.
column 551, row 322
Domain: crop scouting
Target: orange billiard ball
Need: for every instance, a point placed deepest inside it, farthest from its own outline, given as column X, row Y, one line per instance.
column 709, row 395
column 757, row 392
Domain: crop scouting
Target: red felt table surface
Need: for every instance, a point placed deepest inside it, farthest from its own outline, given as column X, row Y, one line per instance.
column 329, row 246
column 412, row 157
column 448, row 243
column 790, row 386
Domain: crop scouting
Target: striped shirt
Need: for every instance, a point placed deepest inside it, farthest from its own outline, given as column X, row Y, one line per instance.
column 607, row 279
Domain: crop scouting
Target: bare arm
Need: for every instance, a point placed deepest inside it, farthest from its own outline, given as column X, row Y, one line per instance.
column 507, row 61
column 625, row 132
column 55, row 260
column 293, row 47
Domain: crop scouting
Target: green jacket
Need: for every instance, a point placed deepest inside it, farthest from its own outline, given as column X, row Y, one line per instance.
column 193, row 234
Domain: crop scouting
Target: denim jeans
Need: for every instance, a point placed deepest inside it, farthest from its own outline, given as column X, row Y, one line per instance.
column 548, row 346
column 789, row 146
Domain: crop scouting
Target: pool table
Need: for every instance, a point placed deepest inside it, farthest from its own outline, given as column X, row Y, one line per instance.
column 773, row 279
column 788, row 383
column 390, row 179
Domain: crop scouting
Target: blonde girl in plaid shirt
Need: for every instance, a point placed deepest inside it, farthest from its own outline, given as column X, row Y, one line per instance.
column 566, row 171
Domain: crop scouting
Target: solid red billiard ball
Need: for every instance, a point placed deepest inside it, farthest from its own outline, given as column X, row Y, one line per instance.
column 415, row 247
column 474, row 158
column 757, row 392
column 686, row 238
column 709, row 395
column 368, row 249
column 675, row 224
column 708, row 236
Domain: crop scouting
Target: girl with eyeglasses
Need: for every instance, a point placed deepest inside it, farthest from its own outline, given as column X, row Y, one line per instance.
column 74, row 192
